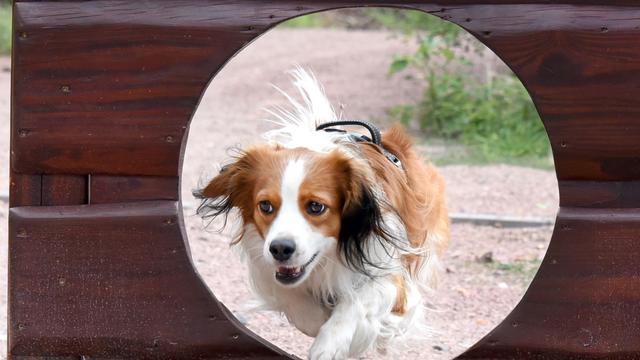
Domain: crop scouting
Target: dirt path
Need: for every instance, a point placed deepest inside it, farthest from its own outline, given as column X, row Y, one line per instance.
column 474, row 295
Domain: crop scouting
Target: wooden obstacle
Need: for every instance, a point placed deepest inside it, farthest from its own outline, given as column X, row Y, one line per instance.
column 102, row 95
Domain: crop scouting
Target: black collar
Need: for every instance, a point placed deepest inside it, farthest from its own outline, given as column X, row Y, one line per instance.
column 376, row 137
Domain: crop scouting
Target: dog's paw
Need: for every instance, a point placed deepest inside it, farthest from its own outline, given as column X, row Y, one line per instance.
column 328, row 349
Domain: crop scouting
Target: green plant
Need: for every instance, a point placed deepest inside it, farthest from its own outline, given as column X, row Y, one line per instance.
column 405, row 21
column 5, row 29
column 307, row 21
column 410, row 21
column 465, row 99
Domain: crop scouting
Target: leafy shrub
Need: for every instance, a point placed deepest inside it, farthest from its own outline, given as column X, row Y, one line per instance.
column 492, row 114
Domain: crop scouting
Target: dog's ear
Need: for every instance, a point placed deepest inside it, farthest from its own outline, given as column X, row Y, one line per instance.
column 217, row 197
column 221, row 185
column 233, row 186
column 364, row 237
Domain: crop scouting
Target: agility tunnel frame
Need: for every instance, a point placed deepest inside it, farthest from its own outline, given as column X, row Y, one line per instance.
column 102, row 95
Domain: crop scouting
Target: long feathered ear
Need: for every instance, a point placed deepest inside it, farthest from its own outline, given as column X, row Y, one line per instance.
column 233, row 186
column 218, row 196
column 365, row 239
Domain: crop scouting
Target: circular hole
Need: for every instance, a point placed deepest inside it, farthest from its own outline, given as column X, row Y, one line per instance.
column 491, row 259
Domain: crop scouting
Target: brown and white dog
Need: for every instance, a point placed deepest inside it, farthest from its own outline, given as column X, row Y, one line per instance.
column 339, row 238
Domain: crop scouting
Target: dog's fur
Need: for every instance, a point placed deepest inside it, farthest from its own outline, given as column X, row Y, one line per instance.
column 356, row 277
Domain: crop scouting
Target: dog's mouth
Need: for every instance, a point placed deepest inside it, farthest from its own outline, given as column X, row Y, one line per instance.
column 290, row 275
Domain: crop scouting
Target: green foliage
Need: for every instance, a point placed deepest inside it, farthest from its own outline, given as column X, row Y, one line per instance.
column 492, row 114
column 5, row 29
column 495, row 116
column 410, row 21
column 307, row 21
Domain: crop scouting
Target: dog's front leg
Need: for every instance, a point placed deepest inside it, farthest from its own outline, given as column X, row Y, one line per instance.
column 354, row 323
column 335, row 336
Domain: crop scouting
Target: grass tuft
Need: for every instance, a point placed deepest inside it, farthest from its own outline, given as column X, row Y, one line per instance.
column 523, row 270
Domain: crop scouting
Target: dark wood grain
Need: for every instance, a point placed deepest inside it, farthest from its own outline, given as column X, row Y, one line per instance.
column 64, row 190
column 600, row 194
column 112, row 189
column 108, row 87
column 332, row 4
column 132, row 118
column 47, row 358
column 113, row 281
column 25, row 190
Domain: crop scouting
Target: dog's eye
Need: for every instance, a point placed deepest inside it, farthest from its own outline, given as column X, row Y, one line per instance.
column 266, row 207
column 315, row 208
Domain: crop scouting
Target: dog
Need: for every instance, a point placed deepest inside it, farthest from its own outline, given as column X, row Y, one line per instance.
column 343, row 232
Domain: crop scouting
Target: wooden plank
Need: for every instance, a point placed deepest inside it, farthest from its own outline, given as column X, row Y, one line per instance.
column 25, row 190
column 600, row 194
column 64, row 189
column 108, row 87
column 112, row 189
column 123, row 89
column 119, row 100
column 416, row 3
column 47, row 358
column 114, row 281
column 585, row 300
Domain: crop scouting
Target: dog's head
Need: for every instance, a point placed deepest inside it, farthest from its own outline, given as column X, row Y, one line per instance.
column 306, row 206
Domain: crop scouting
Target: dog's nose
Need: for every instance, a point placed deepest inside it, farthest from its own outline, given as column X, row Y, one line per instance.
column 282, row 249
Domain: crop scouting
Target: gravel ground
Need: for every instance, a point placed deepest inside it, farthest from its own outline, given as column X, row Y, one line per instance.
column 475, row 293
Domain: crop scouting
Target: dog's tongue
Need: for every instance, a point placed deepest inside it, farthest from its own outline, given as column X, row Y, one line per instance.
column 288, row 270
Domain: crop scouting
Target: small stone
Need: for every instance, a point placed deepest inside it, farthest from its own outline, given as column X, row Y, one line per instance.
column 487, row 257
column 462, row 291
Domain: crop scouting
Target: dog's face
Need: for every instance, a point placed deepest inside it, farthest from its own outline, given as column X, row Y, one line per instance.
column 306, row 206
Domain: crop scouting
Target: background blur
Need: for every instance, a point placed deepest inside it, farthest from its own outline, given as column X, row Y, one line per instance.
column 469, row 114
